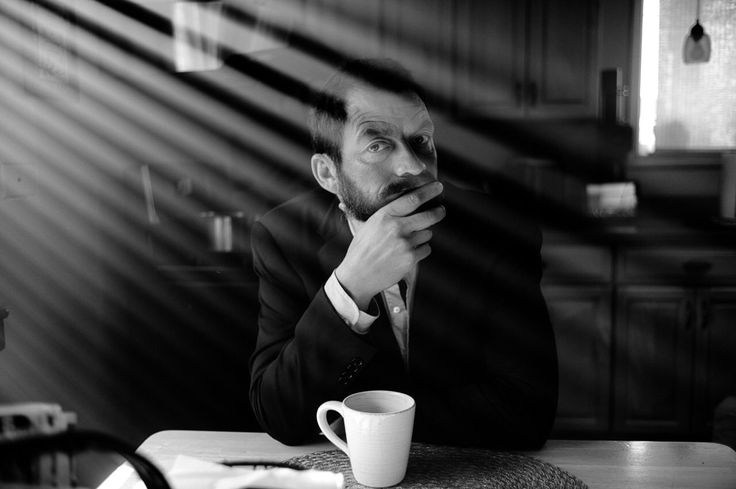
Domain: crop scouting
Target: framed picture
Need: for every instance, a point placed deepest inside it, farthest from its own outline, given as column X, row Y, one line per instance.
column 51, row 69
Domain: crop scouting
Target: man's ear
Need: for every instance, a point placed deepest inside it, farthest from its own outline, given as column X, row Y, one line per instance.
column 325, row 172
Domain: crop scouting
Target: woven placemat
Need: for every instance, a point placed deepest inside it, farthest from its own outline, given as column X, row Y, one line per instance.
column 433, row 466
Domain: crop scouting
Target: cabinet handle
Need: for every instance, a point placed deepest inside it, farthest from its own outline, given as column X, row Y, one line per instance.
column 687, row 315
column 697, row 267
column 519, row 93
column 704, row 313
column 4, row 313
column 532, row 94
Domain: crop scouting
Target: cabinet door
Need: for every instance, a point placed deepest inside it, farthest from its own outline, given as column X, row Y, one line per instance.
column 654, row 351
column 581, row 317
column 532, row 58
column 419, row 34
column 490, row 56
column 562, row 78
column 352, row 27
column 716, row 355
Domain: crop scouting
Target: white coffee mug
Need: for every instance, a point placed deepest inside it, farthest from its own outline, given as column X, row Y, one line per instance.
column 378, row 429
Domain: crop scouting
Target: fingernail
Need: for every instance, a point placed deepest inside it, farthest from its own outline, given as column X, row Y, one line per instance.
column 440, row 185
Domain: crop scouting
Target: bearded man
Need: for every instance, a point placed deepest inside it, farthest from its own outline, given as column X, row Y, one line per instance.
column 387, row 279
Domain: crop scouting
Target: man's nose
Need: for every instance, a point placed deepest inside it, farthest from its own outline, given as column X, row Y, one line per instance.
column 408, row 163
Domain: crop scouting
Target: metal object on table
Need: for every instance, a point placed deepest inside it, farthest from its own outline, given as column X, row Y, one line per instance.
column 226, row 232
column 4, row 313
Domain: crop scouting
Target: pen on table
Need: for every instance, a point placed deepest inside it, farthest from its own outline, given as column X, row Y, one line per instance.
column 260, row 464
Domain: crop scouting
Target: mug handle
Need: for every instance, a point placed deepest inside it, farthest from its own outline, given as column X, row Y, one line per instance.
column 325, row 426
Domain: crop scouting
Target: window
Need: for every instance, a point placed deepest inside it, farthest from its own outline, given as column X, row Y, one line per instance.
column 687, row 106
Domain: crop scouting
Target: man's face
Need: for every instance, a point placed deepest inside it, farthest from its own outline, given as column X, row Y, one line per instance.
column 387, row 150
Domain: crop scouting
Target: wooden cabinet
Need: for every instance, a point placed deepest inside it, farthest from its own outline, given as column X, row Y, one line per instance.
column 654, row 358
column 715, row 351
column 534, row 58
column 491, row 55
column 676, row 339
column 352, row 27
column 562, row 65
column 577, row 288
column 697, row 265
column 500, row 58
column 419, row 34
column 581, row 317
column 646, row 336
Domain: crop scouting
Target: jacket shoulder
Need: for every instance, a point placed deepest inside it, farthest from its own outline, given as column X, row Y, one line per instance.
column 305, row 213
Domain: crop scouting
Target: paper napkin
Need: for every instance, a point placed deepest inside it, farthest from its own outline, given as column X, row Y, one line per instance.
column 192, row 473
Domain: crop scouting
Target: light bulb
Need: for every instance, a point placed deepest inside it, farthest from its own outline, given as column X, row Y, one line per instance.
column 697, row 45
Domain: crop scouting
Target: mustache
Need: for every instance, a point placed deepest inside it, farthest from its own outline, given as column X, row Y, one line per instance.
column 401, row 187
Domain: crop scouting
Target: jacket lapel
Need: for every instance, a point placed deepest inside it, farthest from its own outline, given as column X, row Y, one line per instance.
column 337, row 237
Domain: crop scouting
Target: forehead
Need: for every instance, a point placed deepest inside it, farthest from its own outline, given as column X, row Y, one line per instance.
column 366, row 106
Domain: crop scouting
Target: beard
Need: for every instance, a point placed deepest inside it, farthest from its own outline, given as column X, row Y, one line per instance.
column 361, row 206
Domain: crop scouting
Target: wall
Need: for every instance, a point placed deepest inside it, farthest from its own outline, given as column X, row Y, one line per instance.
column 89, row 103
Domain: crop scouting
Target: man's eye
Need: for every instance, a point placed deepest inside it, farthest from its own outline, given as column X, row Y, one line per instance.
column 377, row 146
column 423, row 141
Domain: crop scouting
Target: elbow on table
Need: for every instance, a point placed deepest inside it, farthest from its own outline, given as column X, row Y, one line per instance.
column 529, row 425
column 292, row 439
column 534, row 440
column 540, row 427
column 291, row 434
column 283, row 427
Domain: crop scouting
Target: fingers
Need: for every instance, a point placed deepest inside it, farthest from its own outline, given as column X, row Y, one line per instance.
column 420, row 237
column 422, row 252
column 424, row 220
column 408, row 203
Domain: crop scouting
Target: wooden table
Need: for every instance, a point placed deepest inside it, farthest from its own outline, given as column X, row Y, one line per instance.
column 600, row 464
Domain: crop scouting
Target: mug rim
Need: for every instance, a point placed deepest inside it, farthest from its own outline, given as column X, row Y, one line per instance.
column 394, row 393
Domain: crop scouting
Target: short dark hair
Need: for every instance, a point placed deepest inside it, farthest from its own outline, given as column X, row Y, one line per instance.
column 328, row 112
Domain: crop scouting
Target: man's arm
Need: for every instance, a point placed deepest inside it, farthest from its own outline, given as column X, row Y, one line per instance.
column 303, row 346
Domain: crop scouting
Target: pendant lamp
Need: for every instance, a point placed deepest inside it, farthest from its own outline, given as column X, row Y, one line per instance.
column 196, row 35
column 697, row 43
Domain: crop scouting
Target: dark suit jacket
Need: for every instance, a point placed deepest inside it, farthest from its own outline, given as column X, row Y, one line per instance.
column 482, row 358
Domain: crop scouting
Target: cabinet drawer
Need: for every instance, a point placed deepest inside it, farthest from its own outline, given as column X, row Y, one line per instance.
column 575, row 263
column 707, row 265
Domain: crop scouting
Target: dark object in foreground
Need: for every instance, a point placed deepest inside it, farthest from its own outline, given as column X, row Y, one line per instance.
column 18, row 456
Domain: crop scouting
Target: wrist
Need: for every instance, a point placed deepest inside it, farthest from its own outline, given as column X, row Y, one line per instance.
column 352, row 287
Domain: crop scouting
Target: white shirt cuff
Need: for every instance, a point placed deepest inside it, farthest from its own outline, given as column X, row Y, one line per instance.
column 346, row 307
